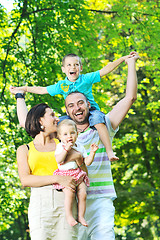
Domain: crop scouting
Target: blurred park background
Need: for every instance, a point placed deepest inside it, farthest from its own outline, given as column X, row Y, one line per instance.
column 34, row 37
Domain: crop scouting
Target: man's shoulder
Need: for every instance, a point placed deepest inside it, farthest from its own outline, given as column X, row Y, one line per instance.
column 109, row 125
column 93, row 133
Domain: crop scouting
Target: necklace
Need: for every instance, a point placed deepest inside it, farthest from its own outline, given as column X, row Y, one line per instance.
column 82, row 130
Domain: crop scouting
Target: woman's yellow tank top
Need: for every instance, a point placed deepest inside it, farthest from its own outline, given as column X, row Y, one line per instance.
column 41, row 163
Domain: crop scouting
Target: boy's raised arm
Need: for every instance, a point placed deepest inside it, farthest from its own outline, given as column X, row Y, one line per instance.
column 33, row 89
column 112, row 65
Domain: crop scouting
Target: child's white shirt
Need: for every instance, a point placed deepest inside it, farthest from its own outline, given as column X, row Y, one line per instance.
column 70, row 165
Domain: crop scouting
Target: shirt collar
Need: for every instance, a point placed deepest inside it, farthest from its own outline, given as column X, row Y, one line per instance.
column 69, row 82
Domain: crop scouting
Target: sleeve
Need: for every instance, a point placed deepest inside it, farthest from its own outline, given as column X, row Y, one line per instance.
column 111, row 131
column 59, row 148
column 93, row 77
column 54, row 89
column 83, row 151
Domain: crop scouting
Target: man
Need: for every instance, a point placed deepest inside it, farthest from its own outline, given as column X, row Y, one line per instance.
column 101, row 193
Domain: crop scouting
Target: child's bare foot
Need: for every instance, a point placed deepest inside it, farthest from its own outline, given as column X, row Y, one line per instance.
column 112, row 157
column 82, row 221
column 71, row 221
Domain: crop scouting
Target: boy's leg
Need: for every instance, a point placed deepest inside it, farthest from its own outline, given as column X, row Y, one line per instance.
column 97, row 119
column 81, row 195
column 104, row 136
column 68, row 204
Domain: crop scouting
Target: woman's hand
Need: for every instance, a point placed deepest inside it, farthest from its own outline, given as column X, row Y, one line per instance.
column 67, row 182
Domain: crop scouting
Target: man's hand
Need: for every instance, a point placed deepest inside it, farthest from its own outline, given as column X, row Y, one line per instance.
column 15, row 90
column 134, row 57
column 131, row 55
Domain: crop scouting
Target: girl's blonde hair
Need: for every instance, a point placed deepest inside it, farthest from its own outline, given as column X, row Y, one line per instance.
column 66, row 122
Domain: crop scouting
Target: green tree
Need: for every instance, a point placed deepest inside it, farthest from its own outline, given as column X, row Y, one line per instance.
column 134, row 25
column 34, row 38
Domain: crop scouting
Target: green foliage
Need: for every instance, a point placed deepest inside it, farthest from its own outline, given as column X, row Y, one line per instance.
column 34, row 38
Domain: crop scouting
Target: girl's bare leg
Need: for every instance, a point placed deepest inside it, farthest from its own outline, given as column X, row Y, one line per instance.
column 81, row 195
column 68, row 202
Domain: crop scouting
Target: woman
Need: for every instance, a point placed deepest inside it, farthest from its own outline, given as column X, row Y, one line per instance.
column 36, row 164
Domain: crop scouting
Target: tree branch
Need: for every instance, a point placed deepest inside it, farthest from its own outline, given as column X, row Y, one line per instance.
column 102, row 11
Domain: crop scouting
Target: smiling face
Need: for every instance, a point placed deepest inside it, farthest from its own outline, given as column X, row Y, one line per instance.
column 77, row 107
column 49, row 121
column 72, row 68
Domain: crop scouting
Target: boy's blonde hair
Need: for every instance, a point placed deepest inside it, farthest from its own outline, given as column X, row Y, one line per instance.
column 66, row 122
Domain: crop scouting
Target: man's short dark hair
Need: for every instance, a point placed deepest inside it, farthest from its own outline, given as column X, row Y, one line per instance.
column 75, row 93
column 70, row 55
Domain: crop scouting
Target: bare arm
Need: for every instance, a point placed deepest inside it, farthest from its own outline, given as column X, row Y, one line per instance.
column 34, row 89
column 21, row 111
column 81, row 164
column 84, row 168
column 60, row 158
column 120, row 110
column 29, row 180
column 21, row 107
column 88, row 160
column 112, row 65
